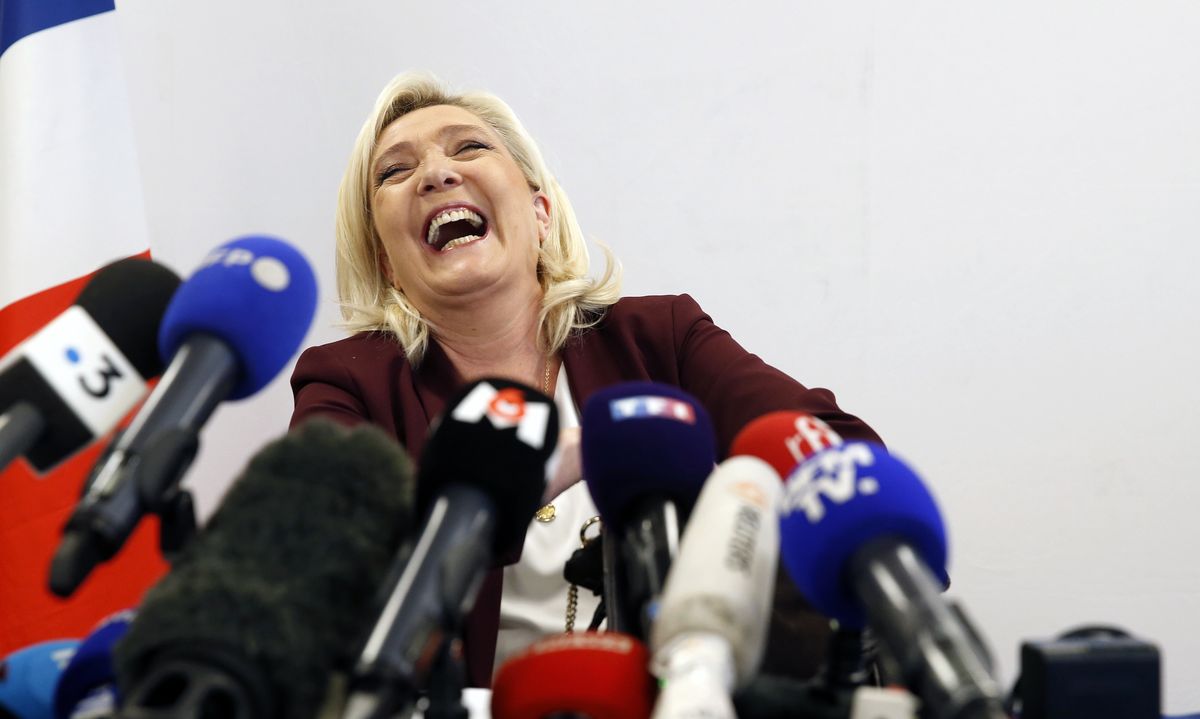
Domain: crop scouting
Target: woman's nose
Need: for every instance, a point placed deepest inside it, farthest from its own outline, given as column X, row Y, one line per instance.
column 439, row 176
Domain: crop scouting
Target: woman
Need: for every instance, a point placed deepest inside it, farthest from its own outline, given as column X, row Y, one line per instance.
column 459, row 257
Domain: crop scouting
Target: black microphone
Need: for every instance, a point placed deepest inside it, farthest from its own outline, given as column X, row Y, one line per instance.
column 228, row 331
column 270, row 597
column 75, row 378
column 647, row 448
column 481, row 479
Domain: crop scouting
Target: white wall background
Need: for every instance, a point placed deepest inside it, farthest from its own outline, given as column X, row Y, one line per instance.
column 978, row 223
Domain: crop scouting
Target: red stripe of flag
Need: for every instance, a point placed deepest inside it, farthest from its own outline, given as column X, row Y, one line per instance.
column 34, row 509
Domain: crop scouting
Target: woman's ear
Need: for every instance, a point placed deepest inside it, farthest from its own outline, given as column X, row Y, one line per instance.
column 541, row 211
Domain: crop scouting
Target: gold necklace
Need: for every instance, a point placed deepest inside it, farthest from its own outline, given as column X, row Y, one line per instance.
column 547, row 512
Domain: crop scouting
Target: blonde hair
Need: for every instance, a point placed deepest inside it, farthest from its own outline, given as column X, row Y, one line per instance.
column 571, row 300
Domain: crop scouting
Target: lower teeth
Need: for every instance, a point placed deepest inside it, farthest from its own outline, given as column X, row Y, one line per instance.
column 459, row 241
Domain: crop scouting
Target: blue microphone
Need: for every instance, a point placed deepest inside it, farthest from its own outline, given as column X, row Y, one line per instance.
column 863, row 540
column 90, row 678
column 29, row 676
column 230, row 328
column 647, row 449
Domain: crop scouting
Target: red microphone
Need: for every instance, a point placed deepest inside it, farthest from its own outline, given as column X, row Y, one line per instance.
column 784, row 439
column 600, row 675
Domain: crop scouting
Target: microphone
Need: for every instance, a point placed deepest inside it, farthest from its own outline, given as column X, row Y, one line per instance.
column 228, row 331
column 75, row 378
column 863, row 540
column 88, row 683
column 598, row 675
column 481, row 479
column 267, row 599
column 647, row 449
column 712, row 623
column 784, row 439
column 28, row 677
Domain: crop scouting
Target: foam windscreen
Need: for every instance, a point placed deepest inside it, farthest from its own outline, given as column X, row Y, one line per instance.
column 644, row 438
column 92, row 665
column 601, row 675
column 128, row 299
column 28, row 677
column 281, row 579
column 258, row 295
column 495, row 435
column 784, row 439
column 840, row 500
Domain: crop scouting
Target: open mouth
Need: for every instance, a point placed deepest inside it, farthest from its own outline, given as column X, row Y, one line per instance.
column 454, row 227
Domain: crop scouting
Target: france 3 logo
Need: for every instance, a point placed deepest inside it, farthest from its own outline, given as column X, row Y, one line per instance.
column 505, row 408
column 87, row 371
column 646, row 406
column 836, row 475
column 97, row 380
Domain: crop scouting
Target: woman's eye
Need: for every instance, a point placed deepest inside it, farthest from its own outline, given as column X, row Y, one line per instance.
column 388, row 172
column 472, row 145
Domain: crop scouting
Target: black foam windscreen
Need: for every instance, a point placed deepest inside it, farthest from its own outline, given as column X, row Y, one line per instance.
column 642, row 439
column 495, row 435
column 128, row 299
column 279, row 584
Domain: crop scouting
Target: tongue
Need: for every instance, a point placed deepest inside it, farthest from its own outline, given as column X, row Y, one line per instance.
column 453, row 231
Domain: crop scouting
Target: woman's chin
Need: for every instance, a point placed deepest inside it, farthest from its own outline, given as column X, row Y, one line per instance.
column 477, row 271
column 469, row 280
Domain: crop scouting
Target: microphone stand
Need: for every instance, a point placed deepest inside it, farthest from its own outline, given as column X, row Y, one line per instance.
column 828, row 695
column 91, row 535
column 446, row 684
column 141, row 470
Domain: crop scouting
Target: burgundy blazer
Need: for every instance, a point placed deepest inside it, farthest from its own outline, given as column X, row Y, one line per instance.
column 669, row 339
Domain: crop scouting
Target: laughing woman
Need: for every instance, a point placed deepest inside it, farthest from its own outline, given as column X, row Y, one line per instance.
column 459, row 257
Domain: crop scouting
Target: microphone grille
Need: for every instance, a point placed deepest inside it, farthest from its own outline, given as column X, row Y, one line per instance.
column 128, row 299
column 644, row 438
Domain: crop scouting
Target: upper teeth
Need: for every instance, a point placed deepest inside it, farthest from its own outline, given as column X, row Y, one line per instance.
column 451, row 216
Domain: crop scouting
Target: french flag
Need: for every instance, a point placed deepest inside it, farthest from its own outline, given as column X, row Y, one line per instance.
column 70, row 202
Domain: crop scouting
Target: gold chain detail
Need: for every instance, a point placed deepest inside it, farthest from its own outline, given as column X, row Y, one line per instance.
column 573, row 591
column 572, row 604
column 547, row 512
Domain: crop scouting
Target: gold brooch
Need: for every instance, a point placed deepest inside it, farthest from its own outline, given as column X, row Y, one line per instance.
column 546, row 513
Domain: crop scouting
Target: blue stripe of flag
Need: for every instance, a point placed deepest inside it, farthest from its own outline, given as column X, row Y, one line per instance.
column 21, row 18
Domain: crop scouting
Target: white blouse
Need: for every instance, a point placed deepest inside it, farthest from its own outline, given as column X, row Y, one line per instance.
column 533, row 603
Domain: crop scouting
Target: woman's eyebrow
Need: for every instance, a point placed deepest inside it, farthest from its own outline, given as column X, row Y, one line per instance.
column 393, row 149
column 404, row 145
column 450, row 130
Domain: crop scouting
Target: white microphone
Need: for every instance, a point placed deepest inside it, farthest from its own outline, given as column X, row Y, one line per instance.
column 712, row 622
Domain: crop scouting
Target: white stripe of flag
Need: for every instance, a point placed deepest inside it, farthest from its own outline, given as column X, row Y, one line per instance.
column 70, row 192
column 70, row 202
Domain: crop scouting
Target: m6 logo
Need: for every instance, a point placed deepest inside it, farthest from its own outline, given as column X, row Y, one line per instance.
column 504, row 409
column 834, row 475
column 507, row 408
